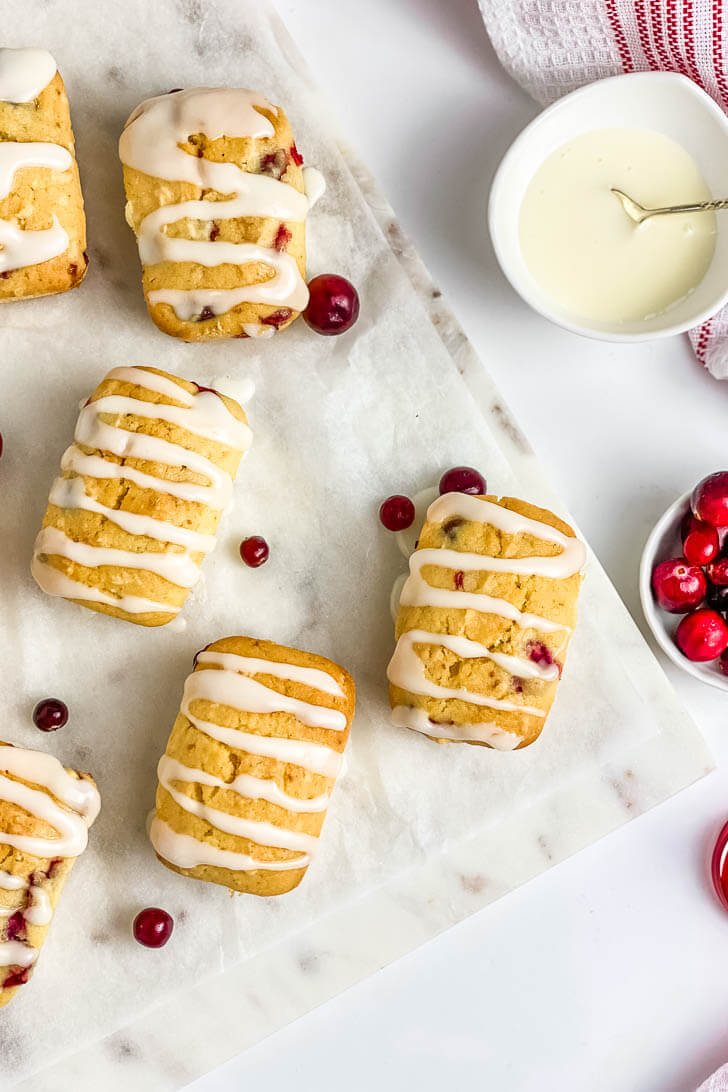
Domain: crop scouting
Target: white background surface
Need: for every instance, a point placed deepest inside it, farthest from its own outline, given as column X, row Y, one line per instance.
column 608, row 972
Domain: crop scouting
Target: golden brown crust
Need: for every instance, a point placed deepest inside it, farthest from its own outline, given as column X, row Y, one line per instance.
column 146, row 193
column 96, row 529
column 49, row 873
column 555, row 600
column 197, row 750
column 38, row 193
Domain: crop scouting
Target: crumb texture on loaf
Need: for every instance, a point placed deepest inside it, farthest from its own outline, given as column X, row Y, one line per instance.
column 45, row 812
column 250, row 765
column 42, row 222
column 140, row 494
column 484, row 621
column 216, row 197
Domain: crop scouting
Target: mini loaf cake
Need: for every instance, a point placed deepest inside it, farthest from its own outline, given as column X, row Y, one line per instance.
column 45, row 813
column 250, row 765
column 42, row 223
column 484, row 621
column 216, row 195
column 139, row 498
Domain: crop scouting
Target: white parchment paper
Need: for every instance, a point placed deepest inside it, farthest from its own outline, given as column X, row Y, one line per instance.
column 339, row 423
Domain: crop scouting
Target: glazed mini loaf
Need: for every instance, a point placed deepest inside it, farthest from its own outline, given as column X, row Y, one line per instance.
column 139, row 498
column 250, row 765
column 45, row 813
column 216, row 195
column 484, row 621
column 42, row 223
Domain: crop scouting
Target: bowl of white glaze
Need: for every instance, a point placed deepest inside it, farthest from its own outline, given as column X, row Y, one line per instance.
column 663, row 102
column 664, row 542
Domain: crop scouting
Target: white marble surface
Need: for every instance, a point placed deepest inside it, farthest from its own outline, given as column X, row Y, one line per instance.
column 605, row 972
column 311, row 967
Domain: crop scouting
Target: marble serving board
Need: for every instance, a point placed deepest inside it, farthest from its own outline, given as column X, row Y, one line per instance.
column 418, row 836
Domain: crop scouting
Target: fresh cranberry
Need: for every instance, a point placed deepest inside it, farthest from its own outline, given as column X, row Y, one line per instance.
column 333, row 305
column 710, row 499
column 16, row 978
column 50, row 714
column 687, row 524
column 723, row 665
column 678, row 586
column 278, row 317
column 701, row 544
column 717, row 598
column 153, row 927
column 702, row 635
column 397, row 513
column 254, row 551
column 718, row 572
column 296, row 156
column 462, row 479
column 283, row 238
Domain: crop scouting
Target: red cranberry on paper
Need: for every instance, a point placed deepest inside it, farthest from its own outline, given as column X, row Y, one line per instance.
column 333, row 305
column 153, row 927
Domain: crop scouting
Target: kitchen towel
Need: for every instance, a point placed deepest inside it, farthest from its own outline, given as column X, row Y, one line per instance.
column 551, row 47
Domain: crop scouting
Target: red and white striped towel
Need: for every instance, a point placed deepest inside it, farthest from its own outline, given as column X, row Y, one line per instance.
column 553, row 46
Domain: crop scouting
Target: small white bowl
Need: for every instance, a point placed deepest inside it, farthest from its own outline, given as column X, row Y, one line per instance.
column 662, row 101
column 663, row 543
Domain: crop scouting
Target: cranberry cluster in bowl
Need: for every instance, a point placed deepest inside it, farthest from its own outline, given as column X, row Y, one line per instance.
column 684, row 576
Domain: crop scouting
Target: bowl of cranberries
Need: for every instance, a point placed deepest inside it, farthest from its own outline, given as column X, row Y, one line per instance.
column 684, row 581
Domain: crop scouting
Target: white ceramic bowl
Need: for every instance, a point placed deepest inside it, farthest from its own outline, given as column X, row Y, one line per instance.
column 664, row 542
column 661, row 101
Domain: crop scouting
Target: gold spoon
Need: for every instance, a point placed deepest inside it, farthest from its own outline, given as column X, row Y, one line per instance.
column 639, row 213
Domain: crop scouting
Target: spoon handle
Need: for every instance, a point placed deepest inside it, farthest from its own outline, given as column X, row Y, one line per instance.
column 702, row 206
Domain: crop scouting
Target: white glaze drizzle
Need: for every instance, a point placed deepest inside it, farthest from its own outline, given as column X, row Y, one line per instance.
column 316, row 757
column 408, row 716
column 9, row 882
column 15, row 155
column 178, row 568
column 228, row 682
column 24, row 73
column 312, row 677
column 22, row 248
column 229, row 687
column 80, row 797
column 151, row 143
column 186, row 852
column 254, row 788
column 16, row 953
column 203, row 414
column 407, row 671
